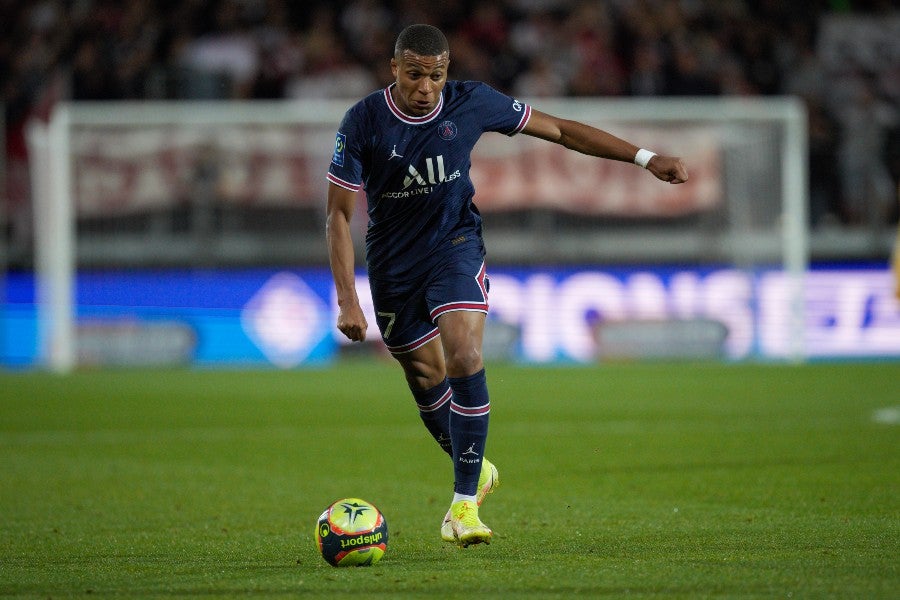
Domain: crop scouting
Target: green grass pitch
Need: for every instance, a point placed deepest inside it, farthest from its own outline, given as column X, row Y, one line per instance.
column 663, row 480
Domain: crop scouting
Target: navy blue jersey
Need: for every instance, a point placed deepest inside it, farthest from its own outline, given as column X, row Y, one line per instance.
column 415, row 171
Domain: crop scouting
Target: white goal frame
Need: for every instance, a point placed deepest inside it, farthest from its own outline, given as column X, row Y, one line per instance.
column 54, row 215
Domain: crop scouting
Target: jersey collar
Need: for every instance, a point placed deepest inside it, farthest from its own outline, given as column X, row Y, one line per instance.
column 408, row 119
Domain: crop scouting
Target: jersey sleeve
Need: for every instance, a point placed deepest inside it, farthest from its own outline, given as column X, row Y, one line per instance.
column 500, row 112
column 345, row 169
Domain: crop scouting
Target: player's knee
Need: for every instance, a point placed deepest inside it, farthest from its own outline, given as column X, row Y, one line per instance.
column 422, row 375
column 419, row 381
column 464, row 361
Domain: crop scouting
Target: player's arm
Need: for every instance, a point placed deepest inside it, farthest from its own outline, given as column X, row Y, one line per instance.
column 341, row 205
column 596, row 142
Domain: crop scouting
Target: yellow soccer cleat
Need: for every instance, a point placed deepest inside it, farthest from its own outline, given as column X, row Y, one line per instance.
column 488, row 480
column 467, row 527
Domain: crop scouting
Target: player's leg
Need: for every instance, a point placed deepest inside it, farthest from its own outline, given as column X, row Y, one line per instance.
column 408, row 326
column 423, row 367
column 469, row 415
column 412, row 338
column 461, row 338
column 458, row 304
column 427, row 380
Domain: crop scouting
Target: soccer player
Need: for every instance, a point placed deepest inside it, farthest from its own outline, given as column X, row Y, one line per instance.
column 408, row 146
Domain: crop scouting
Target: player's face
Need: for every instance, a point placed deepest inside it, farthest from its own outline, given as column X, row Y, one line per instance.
column 420, row 80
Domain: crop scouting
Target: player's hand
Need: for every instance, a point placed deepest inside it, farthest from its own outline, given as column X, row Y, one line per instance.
column 668, row 168
column 352, row 322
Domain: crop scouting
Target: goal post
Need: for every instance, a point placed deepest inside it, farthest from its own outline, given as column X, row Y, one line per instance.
column 54, row 232
column 115, row 162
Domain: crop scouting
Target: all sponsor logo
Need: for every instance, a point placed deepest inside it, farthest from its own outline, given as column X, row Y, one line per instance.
column 416, row 182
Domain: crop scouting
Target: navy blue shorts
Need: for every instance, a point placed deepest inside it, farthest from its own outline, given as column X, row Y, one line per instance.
column 406, row 313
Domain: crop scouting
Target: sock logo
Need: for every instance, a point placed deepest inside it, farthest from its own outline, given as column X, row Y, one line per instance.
column 470, row 452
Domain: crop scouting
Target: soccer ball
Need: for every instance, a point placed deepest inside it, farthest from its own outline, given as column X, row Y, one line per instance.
column 351, row 533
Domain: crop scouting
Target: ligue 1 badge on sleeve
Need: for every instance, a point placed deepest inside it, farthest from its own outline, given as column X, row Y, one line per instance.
column 340, row 144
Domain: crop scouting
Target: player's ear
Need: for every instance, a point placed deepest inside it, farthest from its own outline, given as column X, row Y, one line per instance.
column 394, row 67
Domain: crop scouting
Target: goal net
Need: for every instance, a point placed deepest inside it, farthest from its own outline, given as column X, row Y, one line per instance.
column 195, row 185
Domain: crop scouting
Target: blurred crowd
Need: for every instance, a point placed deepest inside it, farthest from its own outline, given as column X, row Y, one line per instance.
column 211, row 49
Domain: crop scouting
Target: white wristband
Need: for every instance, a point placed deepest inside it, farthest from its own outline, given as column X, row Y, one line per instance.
column 642, row 158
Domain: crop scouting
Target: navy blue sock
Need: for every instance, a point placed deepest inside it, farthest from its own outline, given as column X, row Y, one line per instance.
column 470, row 408
column 434, row 408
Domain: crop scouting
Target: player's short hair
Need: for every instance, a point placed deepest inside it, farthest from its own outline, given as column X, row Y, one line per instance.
column 421, row 39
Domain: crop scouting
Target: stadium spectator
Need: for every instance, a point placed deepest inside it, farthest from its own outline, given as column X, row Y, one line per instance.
column 647, row 77
column 866, row 184
column 282, row 53
column 223, row 62
column 539, row 80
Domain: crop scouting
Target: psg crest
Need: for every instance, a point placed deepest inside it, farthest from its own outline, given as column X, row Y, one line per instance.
column 447, row 130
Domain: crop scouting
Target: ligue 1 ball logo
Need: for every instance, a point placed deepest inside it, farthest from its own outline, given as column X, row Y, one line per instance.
column 351, row 533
